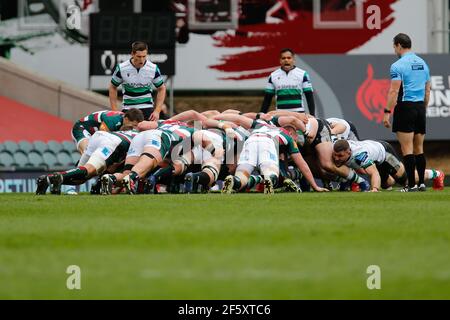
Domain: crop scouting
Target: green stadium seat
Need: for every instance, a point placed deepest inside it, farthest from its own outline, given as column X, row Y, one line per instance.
column 75, row 156
column 6, row 160
column 25, row 146
column 2, row 147
column 65, row 159
column 50, row 160
column 35, row 160
column 54, row 146
column 69, row 146
column 40, row 146
column 21, row 159
column 11, row 147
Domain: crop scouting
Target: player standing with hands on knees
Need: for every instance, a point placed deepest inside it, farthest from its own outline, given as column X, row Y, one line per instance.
column 137, row 76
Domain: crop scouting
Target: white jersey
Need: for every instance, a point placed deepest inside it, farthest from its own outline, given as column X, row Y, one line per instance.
column 344, row 135
column 137, row 83
column 288, row 88
column 365, row 153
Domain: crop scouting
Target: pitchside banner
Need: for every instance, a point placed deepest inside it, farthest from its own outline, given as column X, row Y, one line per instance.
column 355, row 87
column 26, row 182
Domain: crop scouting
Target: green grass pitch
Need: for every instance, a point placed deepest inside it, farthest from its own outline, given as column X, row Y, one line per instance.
column 245, row 246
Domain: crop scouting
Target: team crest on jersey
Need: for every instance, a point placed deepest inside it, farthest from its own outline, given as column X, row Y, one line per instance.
column 106, row 151
column 361, row 157
column 156, row 143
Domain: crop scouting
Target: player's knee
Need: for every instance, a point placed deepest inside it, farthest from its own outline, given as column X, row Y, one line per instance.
column 96, row 164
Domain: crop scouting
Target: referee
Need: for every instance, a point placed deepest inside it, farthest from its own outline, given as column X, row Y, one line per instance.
column 409, row 93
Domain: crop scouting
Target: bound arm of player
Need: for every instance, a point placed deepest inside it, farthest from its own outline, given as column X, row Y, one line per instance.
column 375, row 179
column 104, row 127
column 291, row 121
column 237, row 119
column 147, row 125
column 304, row 168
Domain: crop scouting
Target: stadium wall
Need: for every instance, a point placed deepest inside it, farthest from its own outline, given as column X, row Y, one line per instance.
column 54, row 97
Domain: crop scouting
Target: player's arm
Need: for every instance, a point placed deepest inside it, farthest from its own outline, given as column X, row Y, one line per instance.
column 304, row 168
column 269, row 92
column 113, row 97
column 147, row 125
column 375, row 179
column 189, row 115
column 427, row 94
column 116, row 80
column 237, row 119
column 337, row 128
column 291, row 121
column 309, row 93
column 396, row 82
column 104, row 127
column 158, row 82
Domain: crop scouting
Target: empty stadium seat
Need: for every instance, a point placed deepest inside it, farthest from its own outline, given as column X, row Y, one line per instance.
column 75, row 157
column 65, row 159
column 69, row 146
column 21, row 160
column 6, row 160
column 11, row 147
column 2, row 147
column 50, row 160
column 54, row 146
column 40, row 146
column 25, row 146
column 35, row 159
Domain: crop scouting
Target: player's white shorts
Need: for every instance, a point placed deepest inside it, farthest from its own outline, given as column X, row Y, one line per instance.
column 100, row 147
column 202, row 155
column 103, row 141
column 259, row 150
column 149, row 138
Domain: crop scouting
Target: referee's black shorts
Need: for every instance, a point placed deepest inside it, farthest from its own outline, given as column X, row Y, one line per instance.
column 409, row 117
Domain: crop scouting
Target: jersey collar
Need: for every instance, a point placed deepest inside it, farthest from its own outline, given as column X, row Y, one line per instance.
column 287, row 72
column 131, row 62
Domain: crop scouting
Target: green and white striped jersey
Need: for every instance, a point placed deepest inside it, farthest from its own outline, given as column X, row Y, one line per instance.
column 288, row 88
column 137, row 83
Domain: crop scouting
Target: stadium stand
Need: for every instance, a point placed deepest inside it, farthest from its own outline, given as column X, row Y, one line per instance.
column 38, row 155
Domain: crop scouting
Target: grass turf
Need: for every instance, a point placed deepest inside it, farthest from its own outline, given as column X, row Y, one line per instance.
column 245, row 246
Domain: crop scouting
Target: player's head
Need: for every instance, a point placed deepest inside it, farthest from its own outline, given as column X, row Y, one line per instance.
column 292, row 131
column 402, row 43
column 139, row 51
column 341, row 152
column 287, row 59
column 132, row 117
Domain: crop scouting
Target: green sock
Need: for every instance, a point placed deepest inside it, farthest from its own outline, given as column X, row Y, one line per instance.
column 75, row 176
column 254, row 180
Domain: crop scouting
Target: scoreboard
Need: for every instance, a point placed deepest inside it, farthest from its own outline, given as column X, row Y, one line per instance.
column 111, row 36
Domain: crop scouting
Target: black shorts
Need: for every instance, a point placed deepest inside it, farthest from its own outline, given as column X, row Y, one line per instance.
column 323, row 133
column 409, row 117
column 390, row 166
column 146, row 111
